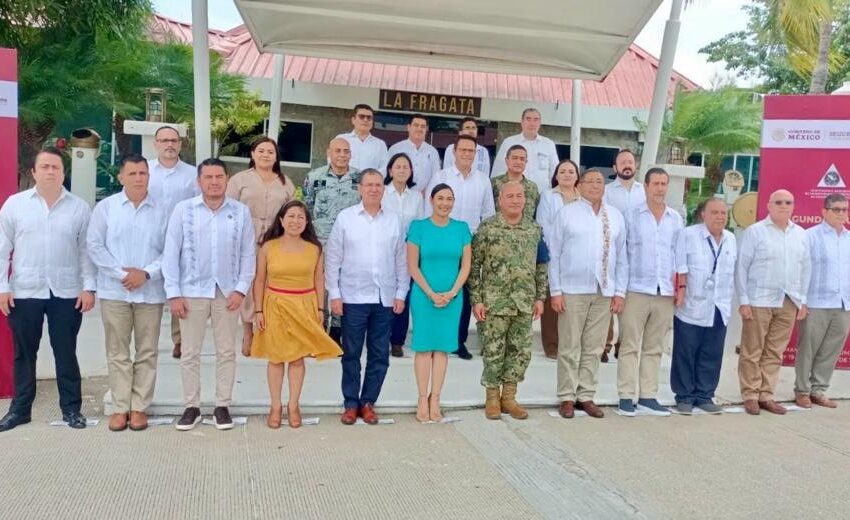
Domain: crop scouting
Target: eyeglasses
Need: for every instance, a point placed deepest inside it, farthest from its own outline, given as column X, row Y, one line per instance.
column 784, row 202
column 168, row 141
column 838, row 210
column 364, row 117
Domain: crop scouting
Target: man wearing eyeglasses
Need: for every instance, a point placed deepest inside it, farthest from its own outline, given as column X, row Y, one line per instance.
column 824, row 331
column 772, row 279
column 171, row 181
column 367, row 151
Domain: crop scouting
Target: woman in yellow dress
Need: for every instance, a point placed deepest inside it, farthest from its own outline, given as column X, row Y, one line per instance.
column 288, row 315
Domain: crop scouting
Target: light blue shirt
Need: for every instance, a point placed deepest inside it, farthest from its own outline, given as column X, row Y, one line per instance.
column 172, row 185
column 694, row 257
column 122, row 235
column 205, row 249
column 48, row 246
column 651, row 247
column 830, row 251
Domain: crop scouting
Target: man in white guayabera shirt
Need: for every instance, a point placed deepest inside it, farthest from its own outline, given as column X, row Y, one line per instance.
column 171, row 181
column 468, row 126
column 367, row 151
column 824, row 331
column 588, row 276
column 126, row 238
column 44, row 231
column 772, row 278
column 542, row 154
column 651, row 230
column 208, row 265
column 425, row 158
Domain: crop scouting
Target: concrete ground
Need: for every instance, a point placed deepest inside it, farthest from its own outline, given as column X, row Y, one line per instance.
column 731, row 466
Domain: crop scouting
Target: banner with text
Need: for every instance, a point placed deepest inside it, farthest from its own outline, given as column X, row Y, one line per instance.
column 8, row 186
column 805, row 148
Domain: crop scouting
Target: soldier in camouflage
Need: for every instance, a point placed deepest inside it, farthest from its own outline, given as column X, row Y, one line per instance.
column 327, row 191
column 516, row 159
column 332, row 188
column 507, row 286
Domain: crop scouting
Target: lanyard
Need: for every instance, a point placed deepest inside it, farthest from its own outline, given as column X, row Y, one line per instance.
column 715, row 254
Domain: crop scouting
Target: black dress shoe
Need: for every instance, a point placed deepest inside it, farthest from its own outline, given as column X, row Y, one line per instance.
column 74, row 420
column 11, row 420
column 336, row 334
column 463, row 353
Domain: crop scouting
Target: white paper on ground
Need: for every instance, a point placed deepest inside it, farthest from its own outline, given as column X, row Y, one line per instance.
column 445, row 420
column 160, row 421
column 305, row 421
column 795, row 408
column 733, row 409
column 237, row 421
column 89, row 422
column 578, row 413
column 695, row 411
column 380, row 421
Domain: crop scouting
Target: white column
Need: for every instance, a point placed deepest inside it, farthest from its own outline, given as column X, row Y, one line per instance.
column 201, row 70
column 575, row 124
column 662, row 81
column 276, row 97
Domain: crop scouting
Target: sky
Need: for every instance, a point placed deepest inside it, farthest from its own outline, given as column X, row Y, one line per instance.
column 703, row 22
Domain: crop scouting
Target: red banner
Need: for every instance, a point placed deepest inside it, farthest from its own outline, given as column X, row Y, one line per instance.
column 805, row 148
column 8, row 186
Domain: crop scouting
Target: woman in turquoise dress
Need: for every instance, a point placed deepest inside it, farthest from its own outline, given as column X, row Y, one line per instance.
column 438, row 258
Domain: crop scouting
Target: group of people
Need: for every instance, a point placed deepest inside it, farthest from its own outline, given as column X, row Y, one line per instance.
column 383, row 235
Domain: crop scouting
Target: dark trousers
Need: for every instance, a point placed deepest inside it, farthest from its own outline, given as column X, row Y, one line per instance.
column 465, row 316
column 63, row 323
column 370, row 322
column 697, row 357
column 401, row 322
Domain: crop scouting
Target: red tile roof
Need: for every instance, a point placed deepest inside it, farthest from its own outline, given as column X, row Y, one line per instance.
column 629, row 85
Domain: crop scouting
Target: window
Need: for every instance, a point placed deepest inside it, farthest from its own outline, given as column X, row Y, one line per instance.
column 295, row 142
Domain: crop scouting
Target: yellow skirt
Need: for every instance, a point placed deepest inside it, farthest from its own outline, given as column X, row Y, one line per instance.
column 292, row 330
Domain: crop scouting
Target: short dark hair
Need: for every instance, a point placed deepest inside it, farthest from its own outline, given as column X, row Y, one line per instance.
column 588, row 171
column 50, row 150
column 440, row 187
column 371, row 171
column 417, row 116
column 389, row 177
column 133, row 158
column 468, row 119
column 527, row 110
column 622, row 151
column 361, row 106
column 558, row 167
column 461, row 137
column 212, row 161
column 166, row 127
column 832, row 198
column 516, row 147
column 655, row 171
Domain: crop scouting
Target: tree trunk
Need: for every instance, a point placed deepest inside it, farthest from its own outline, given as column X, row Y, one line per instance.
column 30, row 142
column 820, row 74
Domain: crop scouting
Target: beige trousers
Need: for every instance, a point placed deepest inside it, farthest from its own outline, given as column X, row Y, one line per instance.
column 131, row 380
column 645, row 323
column 224, row 325
column 581, row 338
column 822, row 337
column 763, row 340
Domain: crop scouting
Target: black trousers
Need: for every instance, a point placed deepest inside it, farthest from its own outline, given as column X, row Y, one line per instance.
column 465, row 317
column 26, row 320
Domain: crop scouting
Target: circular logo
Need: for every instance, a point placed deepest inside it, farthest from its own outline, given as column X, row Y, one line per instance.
column 79, row 154
column 778, row 135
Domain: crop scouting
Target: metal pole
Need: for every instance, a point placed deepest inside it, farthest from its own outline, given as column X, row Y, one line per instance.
column 201, row 69
column 662, row 80
column 276, row 97
column 575, row 124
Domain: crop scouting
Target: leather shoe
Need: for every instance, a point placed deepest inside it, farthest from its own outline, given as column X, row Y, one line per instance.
column 822, row 400
column 349, row 416
column 368, row 414
column 118, row 422
column 12, row 420
column 772, row 406
column 396, row 351
column 176, row 353
column 803, row 401
column 591, row 409
column 75, row 420
column 463, row 353
column 751, row 406
column 138, row 421
column 567, row 409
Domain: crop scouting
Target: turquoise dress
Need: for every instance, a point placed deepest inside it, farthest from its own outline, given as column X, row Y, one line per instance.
column 440, row 253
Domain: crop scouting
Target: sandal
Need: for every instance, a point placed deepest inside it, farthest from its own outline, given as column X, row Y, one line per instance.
column 294, row 416
column 434, row 408
column 422, row 409
column 275, row 417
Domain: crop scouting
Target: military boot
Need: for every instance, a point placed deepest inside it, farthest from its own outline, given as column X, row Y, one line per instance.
column 509, row 404
column 492, row 408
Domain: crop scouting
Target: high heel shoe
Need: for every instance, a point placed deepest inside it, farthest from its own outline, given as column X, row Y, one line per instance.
column 294, row 416
column 434, row 408
column 275, row 417
column 422, row 414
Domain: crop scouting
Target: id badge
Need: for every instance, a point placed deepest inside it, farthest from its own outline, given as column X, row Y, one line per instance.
column 542, row 161
column 709, row 284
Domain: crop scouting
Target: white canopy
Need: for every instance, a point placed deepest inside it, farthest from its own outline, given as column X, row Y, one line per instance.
column 560, row 38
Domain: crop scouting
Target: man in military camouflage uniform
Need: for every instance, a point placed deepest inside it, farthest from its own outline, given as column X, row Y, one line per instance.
column 507, row 287
column 327, row 191
column 331, row 188
column 516, row 159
